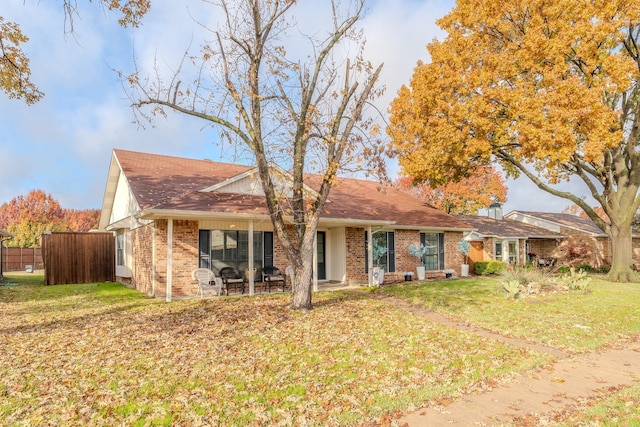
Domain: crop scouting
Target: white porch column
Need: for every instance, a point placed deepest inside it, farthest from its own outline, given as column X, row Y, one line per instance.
column 169, row 258
column 369, row 255
column 315, row 262
column 251, row 275
column 154, row 267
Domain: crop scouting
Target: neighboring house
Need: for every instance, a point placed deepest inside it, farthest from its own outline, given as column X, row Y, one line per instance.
column 498, row 238
column 171, row 215
column 586, row 243
column 4, row 235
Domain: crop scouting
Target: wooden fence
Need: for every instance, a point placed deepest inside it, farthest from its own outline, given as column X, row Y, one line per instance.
column 17, row 259
column 78, row 258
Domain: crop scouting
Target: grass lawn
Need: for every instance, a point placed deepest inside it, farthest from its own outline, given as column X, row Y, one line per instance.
column 572, row 321
column 101, row 354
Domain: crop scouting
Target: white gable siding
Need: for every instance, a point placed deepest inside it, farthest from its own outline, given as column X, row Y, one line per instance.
column 548, row 225
column 124, row 204
column 250, row 184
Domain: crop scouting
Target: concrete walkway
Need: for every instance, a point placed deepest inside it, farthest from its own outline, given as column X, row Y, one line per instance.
column 531, row 398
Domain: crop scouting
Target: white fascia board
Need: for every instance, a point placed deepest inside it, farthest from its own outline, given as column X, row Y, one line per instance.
column 433, row 229
column 109, row 192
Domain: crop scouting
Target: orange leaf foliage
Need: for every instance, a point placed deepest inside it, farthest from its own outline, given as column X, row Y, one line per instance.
column 462, row 197
column 536, row 81
column 27, row 217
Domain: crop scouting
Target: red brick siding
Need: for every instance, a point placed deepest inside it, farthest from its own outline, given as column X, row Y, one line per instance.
column 405, row 262
column 142, row 246
column 581, row 248
column 355, row 256
column 184, row 259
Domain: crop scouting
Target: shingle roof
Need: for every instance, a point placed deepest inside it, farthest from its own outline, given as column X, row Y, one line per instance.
column 173, row 183
column 507, row 228
column 568, row 220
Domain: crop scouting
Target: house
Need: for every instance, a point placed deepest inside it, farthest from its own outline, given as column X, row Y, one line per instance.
column 171, row 215
column 514, row 242
column 586, row 243
column 4, row 235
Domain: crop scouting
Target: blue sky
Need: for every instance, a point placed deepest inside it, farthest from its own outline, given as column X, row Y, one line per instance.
column 63, row 144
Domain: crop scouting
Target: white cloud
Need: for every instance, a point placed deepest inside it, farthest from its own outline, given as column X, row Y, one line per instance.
column 62, row 145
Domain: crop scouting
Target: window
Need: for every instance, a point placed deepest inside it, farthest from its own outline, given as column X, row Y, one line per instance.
column 381, row 239
column 230, row 248
column 513, row 253
column 497, row 254
column 120, row 249
column 434, row 258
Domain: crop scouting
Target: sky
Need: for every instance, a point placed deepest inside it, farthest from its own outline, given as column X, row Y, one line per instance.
column 63, row 144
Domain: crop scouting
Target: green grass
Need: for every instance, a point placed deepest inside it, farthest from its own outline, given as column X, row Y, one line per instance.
column 573, row 321
column 620, row 409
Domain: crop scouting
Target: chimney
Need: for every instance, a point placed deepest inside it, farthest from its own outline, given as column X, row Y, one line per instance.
column 495, row 211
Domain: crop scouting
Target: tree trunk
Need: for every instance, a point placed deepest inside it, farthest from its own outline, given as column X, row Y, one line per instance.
column 621, row 254
column 302, row 283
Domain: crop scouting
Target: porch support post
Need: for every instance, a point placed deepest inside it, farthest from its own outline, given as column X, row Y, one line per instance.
column 315, row 262
column 169, row 258
column 369, row 255
column 251, row 275
column 154, row 267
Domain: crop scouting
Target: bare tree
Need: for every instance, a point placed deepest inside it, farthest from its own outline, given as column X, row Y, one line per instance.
column 303, row 113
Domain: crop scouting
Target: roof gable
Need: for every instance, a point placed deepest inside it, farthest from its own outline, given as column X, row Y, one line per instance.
column 248, row 183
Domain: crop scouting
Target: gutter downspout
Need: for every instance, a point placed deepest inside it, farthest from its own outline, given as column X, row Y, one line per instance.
column 369, row 255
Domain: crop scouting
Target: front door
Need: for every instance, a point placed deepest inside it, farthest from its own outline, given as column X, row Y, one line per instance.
column 321, row 254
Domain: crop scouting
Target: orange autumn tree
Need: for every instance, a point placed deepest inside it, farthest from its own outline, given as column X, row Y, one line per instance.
column 463, row 197
column 15, row 73
column 547, row 89
column 27, row 217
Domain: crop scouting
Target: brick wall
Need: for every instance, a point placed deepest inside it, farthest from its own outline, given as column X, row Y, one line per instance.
column 580, row 248
column 184, row 259
column 355, row 256
column 452, row 258
column 142, row 246
column 405, row 262
column 543, row 248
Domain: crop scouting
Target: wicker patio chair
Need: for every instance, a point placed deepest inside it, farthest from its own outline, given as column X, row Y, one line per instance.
column 207, row 280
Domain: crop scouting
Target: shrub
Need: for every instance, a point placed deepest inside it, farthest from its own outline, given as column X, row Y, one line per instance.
column 576, row 280
column 489, row 267
column 511, row 288
column 585, row 267
column 523, row 281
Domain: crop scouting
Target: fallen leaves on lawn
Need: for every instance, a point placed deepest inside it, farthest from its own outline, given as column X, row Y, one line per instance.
column 87, row 360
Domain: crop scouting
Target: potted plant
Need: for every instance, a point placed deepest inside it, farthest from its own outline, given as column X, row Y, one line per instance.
column 419, row 251
column 464, row 248
column 377, row 273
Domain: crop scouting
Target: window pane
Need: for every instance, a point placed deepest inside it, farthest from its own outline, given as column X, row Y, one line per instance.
column 380, row 250
column 431, row 258
column 512, row 253
column 120, row 249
